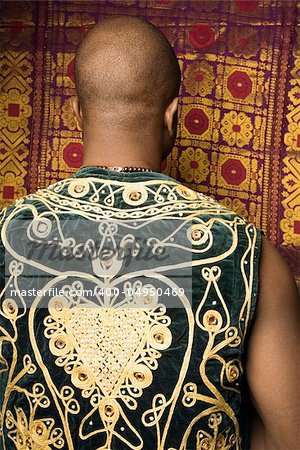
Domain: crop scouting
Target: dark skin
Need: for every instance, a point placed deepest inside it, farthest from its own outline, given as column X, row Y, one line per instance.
column 127, row 80
column 274, row 358
column 272, row 365
column 144, row 149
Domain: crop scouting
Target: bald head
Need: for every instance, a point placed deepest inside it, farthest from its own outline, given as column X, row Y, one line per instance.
column 126, row 72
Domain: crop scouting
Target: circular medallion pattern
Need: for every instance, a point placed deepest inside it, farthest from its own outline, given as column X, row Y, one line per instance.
column 201, row 36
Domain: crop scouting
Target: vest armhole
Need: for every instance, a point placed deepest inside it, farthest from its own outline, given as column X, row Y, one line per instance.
column 255, row 280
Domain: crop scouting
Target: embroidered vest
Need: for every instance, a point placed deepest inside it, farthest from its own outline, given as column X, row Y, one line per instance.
column 126, row 304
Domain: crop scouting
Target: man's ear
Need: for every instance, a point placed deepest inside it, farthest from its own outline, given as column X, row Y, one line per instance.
column 77, row 110
column 171, row 116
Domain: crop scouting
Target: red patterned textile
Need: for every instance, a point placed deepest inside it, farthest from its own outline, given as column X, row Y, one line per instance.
column 239, row 126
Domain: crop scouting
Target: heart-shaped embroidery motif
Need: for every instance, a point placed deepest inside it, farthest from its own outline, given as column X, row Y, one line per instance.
column 110, row 349
column 107, row 340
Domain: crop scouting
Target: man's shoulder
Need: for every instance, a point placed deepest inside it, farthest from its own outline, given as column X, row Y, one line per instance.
column 72, row 192
column 207, row 206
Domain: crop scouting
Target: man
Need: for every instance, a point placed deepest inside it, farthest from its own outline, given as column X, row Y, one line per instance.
column 176, row 340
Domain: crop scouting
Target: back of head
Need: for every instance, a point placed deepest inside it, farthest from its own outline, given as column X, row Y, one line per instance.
column 126, row 72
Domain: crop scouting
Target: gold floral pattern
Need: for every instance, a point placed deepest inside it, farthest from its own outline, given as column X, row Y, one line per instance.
column 199, row 78
column 236, row 128
column 194, row 165
column 243, row 41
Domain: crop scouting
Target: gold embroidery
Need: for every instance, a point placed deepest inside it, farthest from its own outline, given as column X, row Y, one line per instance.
column 87, row 342
column 219, row 440
column 38, row 434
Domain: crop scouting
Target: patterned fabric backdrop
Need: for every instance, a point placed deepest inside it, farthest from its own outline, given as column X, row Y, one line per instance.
column 239, row 133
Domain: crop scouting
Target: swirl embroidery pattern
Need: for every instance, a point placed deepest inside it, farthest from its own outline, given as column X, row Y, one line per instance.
column 152, row 359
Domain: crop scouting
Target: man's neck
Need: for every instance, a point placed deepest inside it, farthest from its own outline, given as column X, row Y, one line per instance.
column 112, row 151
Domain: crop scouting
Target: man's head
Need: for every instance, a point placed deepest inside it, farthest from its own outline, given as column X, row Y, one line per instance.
column 127, row 76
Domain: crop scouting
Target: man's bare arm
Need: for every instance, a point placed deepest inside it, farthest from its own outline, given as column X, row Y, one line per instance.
column 273, row 356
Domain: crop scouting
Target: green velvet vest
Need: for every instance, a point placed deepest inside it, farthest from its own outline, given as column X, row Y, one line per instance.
column 126, row 305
